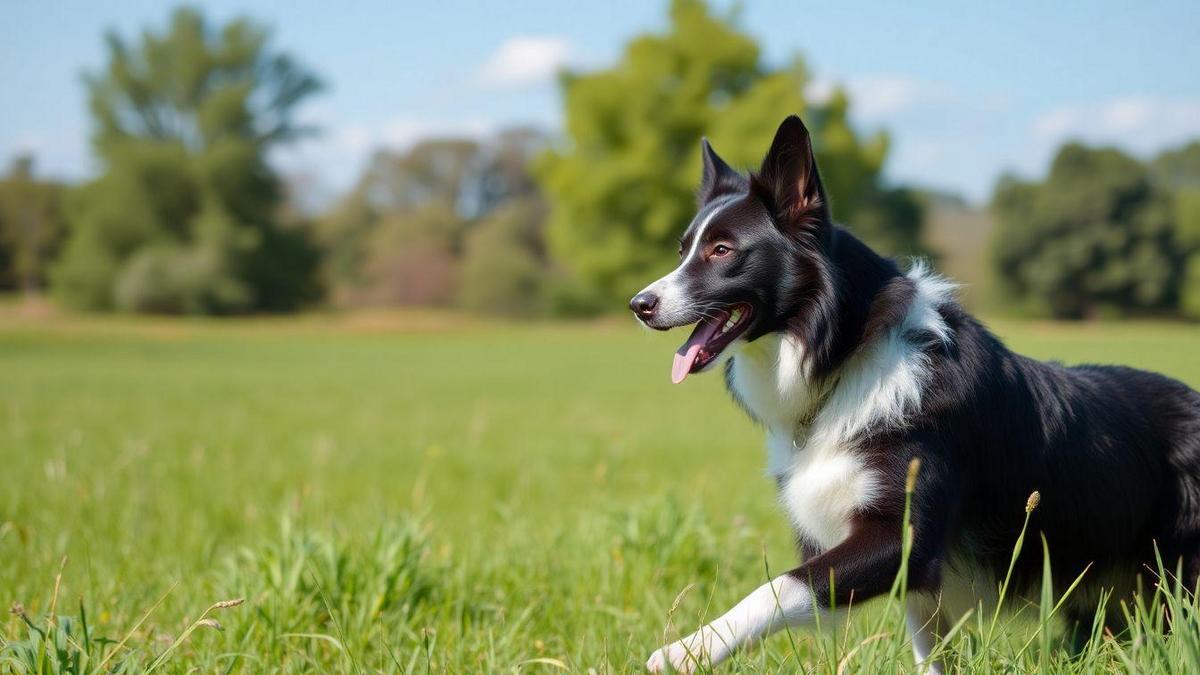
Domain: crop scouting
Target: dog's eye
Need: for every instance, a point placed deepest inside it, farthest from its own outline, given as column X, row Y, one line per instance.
column 721, row 250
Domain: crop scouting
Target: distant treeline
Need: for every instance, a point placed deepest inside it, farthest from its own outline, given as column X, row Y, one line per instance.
column 1103, row 235
column 187, row 215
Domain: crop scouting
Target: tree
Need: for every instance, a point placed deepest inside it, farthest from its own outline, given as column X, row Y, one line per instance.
column 1179, row 171
column 622, row 186
column 1096, row 236
column 504, row 268
column 449, row 221
column 30, row 227
column 394, row 238
column 185, row 216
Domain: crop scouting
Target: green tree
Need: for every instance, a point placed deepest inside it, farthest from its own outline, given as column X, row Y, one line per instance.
column 1179, row 171
column 185, row 216
column 1097, row 236
column 622, row 187
column 449, row 221
column 412, row 259
column 504, row 269
column 1179, row 168
column 394, row 239
column 31, row 227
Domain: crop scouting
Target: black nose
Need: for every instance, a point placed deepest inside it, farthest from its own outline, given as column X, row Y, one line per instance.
column 643, row 304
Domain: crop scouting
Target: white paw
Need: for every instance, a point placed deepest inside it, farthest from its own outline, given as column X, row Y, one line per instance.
column 684, row 656
column 675, row 654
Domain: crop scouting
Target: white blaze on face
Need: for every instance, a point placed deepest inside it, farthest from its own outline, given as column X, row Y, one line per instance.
column 673, row 300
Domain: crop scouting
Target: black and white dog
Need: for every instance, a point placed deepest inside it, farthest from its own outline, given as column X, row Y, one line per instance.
column 854, row 368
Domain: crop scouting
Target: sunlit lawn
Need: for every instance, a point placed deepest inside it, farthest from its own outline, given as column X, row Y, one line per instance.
column 395, row 492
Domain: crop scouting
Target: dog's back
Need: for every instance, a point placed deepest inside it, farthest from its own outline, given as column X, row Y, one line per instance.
column 1114, row 453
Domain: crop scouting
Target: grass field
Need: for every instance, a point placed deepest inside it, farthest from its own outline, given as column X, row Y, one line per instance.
column 420, row 493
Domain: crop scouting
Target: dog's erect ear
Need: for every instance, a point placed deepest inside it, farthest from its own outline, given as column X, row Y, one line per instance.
column 719, row 178
column 788, row 181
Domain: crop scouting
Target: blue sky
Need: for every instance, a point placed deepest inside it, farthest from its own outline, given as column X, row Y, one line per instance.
column 967, row 92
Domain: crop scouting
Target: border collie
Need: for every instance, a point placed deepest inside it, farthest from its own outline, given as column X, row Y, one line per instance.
column 854, row 368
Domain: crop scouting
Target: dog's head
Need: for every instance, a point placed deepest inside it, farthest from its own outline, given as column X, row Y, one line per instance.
column 751, row 257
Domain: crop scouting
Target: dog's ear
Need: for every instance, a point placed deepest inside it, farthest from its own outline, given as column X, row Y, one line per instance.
column 719, row 178
column 788, row 181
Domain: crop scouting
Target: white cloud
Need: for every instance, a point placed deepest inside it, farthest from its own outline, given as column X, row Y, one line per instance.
column 1056, row 123
column 941, row 135
column 875, row 98
column 336, row 157
column 61, row 155
column 922, row 152
column 402, row 133
column 881, row 97
column 526, row 60
column 30, row 144
column 1127, row 114
column 820, row 89
column 352, row 139
column 1139, row 123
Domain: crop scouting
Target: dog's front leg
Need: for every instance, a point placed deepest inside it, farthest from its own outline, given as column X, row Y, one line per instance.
column 862, row 567
column 785, row 601
column 924, row 618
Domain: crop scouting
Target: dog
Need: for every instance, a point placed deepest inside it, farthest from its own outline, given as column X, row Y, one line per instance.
column 854, row 368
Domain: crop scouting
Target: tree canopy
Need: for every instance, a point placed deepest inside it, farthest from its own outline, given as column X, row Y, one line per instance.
column 1179, row 172
column 448, row 221
column 185, row 214
column 1098, row 236
column 621, row 186
column 31, row 227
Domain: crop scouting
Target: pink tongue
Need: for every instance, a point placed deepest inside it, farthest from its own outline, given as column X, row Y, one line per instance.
column 686, row 356
column 683, row 363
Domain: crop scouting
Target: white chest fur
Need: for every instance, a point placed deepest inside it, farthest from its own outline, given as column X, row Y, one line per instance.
column 823, row 479
column 822, row 494
column 767, row 376
column 822, row 482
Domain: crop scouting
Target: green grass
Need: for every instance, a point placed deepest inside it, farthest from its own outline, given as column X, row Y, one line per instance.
column 422, row 494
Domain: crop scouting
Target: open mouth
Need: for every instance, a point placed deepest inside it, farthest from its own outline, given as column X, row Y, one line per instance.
column 711, row 336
